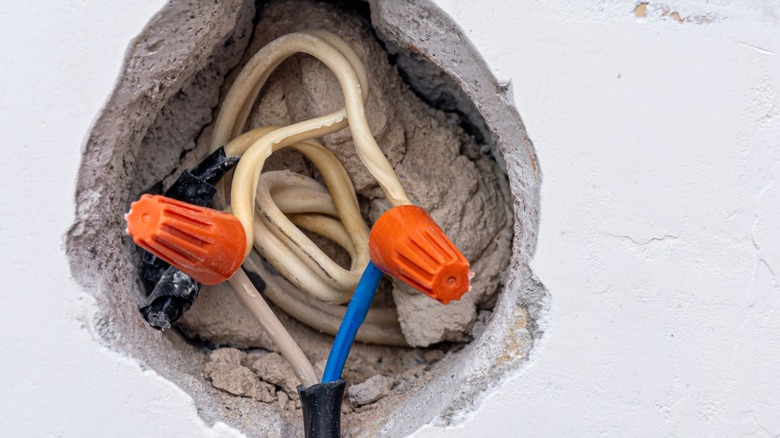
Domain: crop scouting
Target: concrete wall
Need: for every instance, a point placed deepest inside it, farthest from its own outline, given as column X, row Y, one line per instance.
column 658, row 132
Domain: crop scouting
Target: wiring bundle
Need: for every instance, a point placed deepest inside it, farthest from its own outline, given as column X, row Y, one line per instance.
column 189, row 243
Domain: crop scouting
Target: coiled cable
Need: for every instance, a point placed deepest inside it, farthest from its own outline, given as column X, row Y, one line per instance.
column 272, row 206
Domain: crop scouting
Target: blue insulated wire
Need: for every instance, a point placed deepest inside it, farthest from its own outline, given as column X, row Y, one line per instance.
column 353, row 318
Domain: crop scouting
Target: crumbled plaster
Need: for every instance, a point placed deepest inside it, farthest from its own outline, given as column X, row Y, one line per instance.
column 373, row 389
column 226, row 371
column 182, row 49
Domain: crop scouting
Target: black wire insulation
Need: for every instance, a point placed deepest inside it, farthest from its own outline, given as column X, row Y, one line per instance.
column 174, row 291
column 321, row 405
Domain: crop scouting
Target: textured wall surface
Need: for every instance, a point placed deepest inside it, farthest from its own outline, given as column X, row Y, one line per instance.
column 658, row 129
column 659, row 137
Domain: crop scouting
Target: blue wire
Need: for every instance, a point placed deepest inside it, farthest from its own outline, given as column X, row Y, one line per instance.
column 353, row 318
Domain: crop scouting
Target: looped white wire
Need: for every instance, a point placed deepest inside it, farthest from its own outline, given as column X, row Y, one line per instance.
column 273, row 205
column 304, row 200
column 256, row 72
column 324, row 278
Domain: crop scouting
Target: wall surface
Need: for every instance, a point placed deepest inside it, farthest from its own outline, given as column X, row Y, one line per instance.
column 658, row 132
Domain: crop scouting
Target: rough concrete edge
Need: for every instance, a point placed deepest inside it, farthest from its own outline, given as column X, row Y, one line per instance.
column 149, row 91
column 421, row 27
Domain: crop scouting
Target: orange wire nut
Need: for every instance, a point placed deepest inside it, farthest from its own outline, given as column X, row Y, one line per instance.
column 406, row 243
column 206, row 244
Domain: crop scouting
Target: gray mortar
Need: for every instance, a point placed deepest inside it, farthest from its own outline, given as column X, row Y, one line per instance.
column 178, row 64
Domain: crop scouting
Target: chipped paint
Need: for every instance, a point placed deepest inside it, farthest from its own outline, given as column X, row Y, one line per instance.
column 517, row 339
column 641, row 10
column 664, row 12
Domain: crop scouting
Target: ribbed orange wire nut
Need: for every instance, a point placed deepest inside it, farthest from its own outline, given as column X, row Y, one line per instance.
column 406, row 243
column 206, row 244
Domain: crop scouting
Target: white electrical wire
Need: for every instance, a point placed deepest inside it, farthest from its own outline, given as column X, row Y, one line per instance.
column 272, row 206
column 249, row 82
column 283, row 244
column 276, row 331
column 309, row 205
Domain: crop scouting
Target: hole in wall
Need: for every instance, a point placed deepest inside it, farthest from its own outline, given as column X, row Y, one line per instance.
column 432, row 101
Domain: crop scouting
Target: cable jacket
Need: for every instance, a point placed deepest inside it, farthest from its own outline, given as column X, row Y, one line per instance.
column 356, row 314
column 321, row 405
column 252, row 299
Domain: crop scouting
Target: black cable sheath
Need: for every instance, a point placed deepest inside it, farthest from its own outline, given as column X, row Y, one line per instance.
column 194, row 186
column 321, row 405
column 174, row 291
column 172, row 296
column 214, row 167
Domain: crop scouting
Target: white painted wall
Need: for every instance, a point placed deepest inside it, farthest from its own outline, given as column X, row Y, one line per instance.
column 660, row 147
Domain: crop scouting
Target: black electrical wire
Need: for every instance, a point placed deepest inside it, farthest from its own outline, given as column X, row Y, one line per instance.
column 172, row 296
column 174, row 291
column 321, row 406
